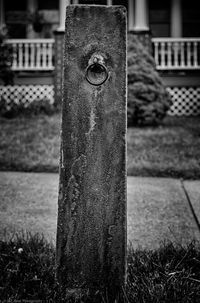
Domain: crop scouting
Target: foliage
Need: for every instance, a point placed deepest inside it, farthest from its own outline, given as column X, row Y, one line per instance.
column 168, row 274
column 6, row 74
column 148, row 100
column 36, row 107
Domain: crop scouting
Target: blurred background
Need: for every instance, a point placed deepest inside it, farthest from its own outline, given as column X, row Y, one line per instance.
column 34, row 34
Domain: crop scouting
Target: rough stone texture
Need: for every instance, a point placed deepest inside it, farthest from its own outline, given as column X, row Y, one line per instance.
column 58, row 72
column 91, row 235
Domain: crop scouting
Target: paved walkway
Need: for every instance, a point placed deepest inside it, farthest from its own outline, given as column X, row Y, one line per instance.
column 159, row 209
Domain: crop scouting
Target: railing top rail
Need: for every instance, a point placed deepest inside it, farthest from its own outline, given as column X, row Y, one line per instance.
column 10, row 41
column 168, row 39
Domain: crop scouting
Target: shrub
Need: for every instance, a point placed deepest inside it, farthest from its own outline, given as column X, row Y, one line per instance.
column 6, row 74
column 148, row 100
column 36, row 107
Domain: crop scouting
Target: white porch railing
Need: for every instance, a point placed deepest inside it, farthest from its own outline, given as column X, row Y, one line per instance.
column 177, row 54
column 169, row 54
column 32, row 54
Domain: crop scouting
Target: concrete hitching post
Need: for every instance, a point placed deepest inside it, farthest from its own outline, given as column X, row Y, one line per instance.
column 91, row 234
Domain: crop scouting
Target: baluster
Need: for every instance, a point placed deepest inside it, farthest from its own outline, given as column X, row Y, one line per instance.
column 32, row 55
column 188, row 54
column 162, row 54
column 169, row 54
column 182, row 55
column 20, row 56
column 48, row 55
column 195, row 54
column 43, row 55
column 14, row 55
column 26, row 55
column 176, row 54
column 156, row 53
column 38, row 55
column 50, row 65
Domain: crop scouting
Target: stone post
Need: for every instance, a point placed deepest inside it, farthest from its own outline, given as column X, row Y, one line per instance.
column 91, row 230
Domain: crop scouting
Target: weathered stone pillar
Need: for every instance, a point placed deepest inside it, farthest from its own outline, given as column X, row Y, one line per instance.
column 91, row 234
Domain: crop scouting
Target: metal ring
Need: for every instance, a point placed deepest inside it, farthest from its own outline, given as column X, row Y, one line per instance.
column 96, row 74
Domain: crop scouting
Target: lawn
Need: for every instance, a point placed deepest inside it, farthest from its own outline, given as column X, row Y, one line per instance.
column 170, row 150
column 168, row 274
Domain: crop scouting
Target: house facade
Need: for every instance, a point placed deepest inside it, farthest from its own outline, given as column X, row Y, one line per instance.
column 36, row 30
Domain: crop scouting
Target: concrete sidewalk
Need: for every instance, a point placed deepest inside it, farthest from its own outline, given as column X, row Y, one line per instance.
column 159, row 209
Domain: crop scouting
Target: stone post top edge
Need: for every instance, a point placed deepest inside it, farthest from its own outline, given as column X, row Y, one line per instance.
column 108, row 7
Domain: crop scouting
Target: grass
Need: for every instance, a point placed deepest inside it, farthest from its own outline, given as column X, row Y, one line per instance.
column 170, row 150
column 168, row 274
column 30, row 143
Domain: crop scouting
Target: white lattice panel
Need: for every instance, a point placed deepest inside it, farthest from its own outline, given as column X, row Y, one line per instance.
column 27, row 93
column 186, row 101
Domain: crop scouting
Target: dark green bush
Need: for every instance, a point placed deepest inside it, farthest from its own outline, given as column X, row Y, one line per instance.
column 148, row 100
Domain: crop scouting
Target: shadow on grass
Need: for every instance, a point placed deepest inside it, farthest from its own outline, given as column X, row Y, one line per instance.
column 168, row 274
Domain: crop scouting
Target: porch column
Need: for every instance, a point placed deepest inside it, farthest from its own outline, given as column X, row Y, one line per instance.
column 62, row 9
column 109, row 2
column 176, row 18
column 130, row 15
column 2, row 19
column 58, row 49
column 141, row 15
column 31, row 8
